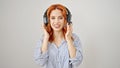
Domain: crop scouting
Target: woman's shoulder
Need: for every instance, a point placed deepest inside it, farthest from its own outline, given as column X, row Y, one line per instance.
column 75, row 36
column 40, row 39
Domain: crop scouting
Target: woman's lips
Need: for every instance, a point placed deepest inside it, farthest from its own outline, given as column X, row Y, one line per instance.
column 56, row 26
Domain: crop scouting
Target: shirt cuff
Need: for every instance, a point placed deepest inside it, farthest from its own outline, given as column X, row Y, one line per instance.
column 44, row 55
column 77, row 59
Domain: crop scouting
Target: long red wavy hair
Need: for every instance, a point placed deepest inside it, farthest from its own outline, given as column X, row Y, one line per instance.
column 64, row 13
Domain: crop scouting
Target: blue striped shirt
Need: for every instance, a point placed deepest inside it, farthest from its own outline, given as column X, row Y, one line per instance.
column 58, row 57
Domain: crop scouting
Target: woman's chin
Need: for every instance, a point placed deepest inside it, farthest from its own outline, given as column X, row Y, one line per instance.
column 57, row 29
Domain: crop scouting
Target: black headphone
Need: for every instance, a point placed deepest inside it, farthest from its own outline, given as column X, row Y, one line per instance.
column 45, row 19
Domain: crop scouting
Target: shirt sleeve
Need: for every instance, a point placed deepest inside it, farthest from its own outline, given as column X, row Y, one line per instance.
column 79, row 57
column 39, row 57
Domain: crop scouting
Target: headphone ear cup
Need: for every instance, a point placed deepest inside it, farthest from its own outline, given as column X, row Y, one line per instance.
column 45, row 20
column 68, row 16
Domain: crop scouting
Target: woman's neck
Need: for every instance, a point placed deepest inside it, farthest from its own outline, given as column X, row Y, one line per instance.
column 58, row 35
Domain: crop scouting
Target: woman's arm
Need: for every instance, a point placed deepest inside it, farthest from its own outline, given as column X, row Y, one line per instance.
column 44, row 45
column 41, row 54
column 74, row 47
column 71, row 48
column 68, row 36
column 77, row 59
column 41, row 51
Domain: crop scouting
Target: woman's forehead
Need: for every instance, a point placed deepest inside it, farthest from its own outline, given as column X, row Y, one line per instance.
column 56, row 12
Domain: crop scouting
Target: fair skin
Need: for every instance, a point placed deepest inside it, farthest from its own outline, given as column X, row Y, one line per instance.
column 57, row 23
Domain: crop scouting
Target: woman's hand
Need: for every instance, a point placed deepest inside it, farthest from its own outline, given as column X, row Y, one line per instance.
column 68, row 34
column 45, row 40
column 46, row 34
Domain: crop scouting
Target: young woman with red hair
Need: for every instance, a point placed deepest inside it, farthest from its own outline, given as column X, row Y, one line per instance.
column 58, row 47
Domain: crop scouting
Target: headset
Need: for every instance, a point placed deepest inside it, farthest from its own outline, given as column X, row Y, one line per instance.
column 45, row 19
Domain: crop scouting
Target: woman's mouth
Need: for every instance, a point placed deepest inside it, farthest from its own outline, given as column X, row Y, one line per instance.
column 57, row 26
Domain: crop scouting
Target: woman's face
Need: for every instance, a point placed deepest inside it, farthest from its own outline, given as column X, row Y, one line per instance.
column 56, row 20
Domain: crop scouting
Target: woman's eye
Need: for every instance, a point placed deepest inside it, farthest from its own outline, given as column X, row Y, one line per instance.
column 60, row 17
column 52, row 17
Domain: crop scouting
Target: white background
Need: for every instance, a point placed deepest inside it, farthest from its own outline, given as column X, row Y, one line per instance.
column 96, row 22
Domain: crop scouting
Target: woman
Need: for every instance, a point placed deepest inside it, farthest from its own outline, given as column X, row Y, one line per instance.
column 58, row 47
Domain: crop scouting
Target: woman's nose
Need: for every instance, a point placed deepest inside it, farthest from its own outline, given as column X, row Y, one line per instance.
column 56, row 20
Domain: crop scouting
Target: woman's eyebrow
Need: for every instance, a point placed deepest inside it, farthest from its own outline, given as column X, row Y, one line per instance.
column 57, row 16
